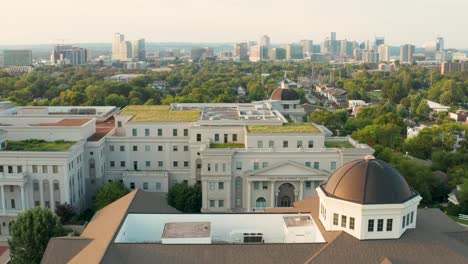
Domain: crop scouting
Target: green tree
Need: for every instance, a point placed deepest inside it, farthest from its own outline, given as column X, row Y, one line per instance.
column 185, row 198
column 65, row 212
column 109, row 193
column 423, row 109
column 116, row 100
column 31, row 233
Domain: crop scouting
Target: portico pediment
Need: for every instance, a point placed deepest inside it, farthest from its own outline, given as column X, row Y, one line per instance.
column 287, row 169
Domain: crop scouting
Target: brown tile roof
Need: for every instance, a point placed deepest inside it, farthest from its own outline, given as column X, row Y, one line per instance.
column 66, row 122
column 62, row 249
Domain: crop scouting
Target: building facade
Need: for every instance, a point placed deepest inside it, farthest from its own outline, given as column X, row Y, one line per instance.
column 17, row 57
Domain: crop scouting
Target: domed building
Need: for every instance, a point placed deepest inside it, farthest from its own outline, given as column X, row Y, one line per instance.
column 368, row 199
column 286, row 100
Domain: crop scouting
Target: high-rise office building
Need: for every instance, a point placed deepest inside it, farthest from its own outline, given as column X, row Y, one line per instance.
column 265, row 47
column 116, row 45
column 17, row 57
column 369, row 56
column 440, row 44
column 379, row 41
column 256, row 53
column 406, row 53
column 126, row 51
column 241, row 51
column 294, row 52
column 139, row 50
column 307, row 46
column 384, row 53
column 277, row 54
column 68, row 55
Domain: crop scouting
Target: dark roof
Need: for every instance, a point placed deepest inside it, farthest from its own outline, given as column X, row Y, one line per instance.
column 232, row 254
column 368, row 181
column 284, row 94
column 62, row 249
column 152, row 203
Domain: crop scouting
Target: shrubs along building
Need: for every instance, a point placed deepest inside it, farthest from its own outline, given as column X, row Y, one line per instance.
column 247, row 157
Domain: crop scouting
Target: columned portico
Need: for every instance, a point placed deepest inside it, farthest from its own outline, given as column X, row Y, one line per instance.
column 3, row 200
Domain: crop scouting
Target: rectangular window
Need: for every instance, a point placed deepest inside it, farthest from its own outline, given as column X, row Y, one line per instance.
column 145, row 186
column 12, row 188
column 185, row 148
column 119, row 123
column 333, row 165
column 111, row 148
column 147, row 148
column 112, row 164
column 122, row 164
column 198, row 137
column 316, row 165
column 343, row 221
column 216, row 139
column 370, row 225
column 185, row 132
column 135, row 148
column 412, row 215
column 19, row 169
column 55, row 169
column 259, row 144
column 407, row 219
column 147, row 132
column 256, row 165
column 234, row 137
column 265, row 185
column 44, row 169
column 208, row 167
column 335, row 219
column 186, row 164
column 175, row 164
column 158, row 186
column 34, row 168
column 148, row 163
column 351, row 223
column 299, row 143
column 271, row 144
column 380, row 225
column 216, row 167
column 56, row 186
column 285, row 143
column 212, row 203
column 134, row 132
column 132, row 185
column 221, row 203
column 264, row 164
column 403, row 222
column 160, row 132
column 175, row 148
column 212, row 185
column 389, row 224
column 174, row 132
column 122, row 148
column 160, row 148
column 307, row 164
column 160, row 164
column 13, row 204
column 238, row 165
column 220, row 185
column 256, row 185
column 311, row 144
column 308, row 184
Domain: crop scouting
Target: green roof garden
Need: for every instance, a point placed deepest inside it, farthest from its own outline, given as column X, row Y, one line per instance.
column 338, row 144
column 159, row 113
column 39, row 145
column 226, row 145
column 285, row 128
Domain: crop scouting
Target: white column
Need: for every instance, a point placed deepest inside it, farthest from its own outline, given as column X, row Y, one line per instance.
column 272, row 195
column 249, row 196
column 3, row 199
column 41, row 193
column 52, row 202
column 23, row 200
column 301, row 190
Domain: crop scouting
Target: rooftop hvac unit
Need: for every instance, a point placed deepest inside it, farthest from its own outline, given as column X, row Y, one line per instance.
column 253, row 238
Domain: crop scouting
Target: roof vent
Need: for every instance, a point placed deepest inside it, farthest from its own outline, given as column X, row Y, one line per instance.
column 369, row 157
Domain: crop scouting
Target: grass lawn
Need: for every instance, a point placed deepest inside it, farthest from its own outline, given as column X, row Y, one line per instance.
column 377, row 95
column 226, row 145
column 456, row 219
column 338, row 144
column 39, row 145
column 159, row 113
column 285, row 128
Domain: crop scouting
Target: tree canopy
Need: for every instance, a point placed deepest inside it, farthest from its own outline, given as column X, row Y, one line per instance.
column 109, row 193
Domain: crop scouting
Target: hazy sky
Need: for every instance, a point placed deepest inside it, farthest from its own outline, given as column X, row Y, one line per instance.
column 75, row 21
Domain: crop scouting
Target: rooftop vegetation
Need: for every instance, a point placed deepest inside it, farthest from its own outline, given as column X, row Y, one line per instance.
column 226, row 145
column 39, row 145
column 285, row 128
column 338, row 144
column 159, row 113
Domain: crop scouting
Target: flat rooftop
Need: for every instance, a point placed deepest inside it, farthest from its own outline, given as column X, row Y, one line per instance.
column 159, row 113
column 224, row 228
column 285, row 128
column 187, row 230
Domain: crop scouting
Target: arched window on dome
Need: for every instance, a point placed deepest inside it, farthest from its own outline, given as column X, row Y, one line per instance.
column 260, row 202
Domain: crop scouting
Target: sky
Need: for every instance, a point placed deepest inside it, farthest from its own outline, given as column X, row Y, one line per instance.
column 95, row 21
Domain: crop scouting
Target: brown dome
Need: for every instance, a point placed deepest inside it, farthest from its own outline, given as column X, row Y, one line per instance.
column 368, row 181
column 284, row 94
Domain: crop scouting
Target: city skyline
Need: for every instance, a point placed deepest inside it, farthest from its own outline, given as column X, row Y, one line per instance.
column 236, row 21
